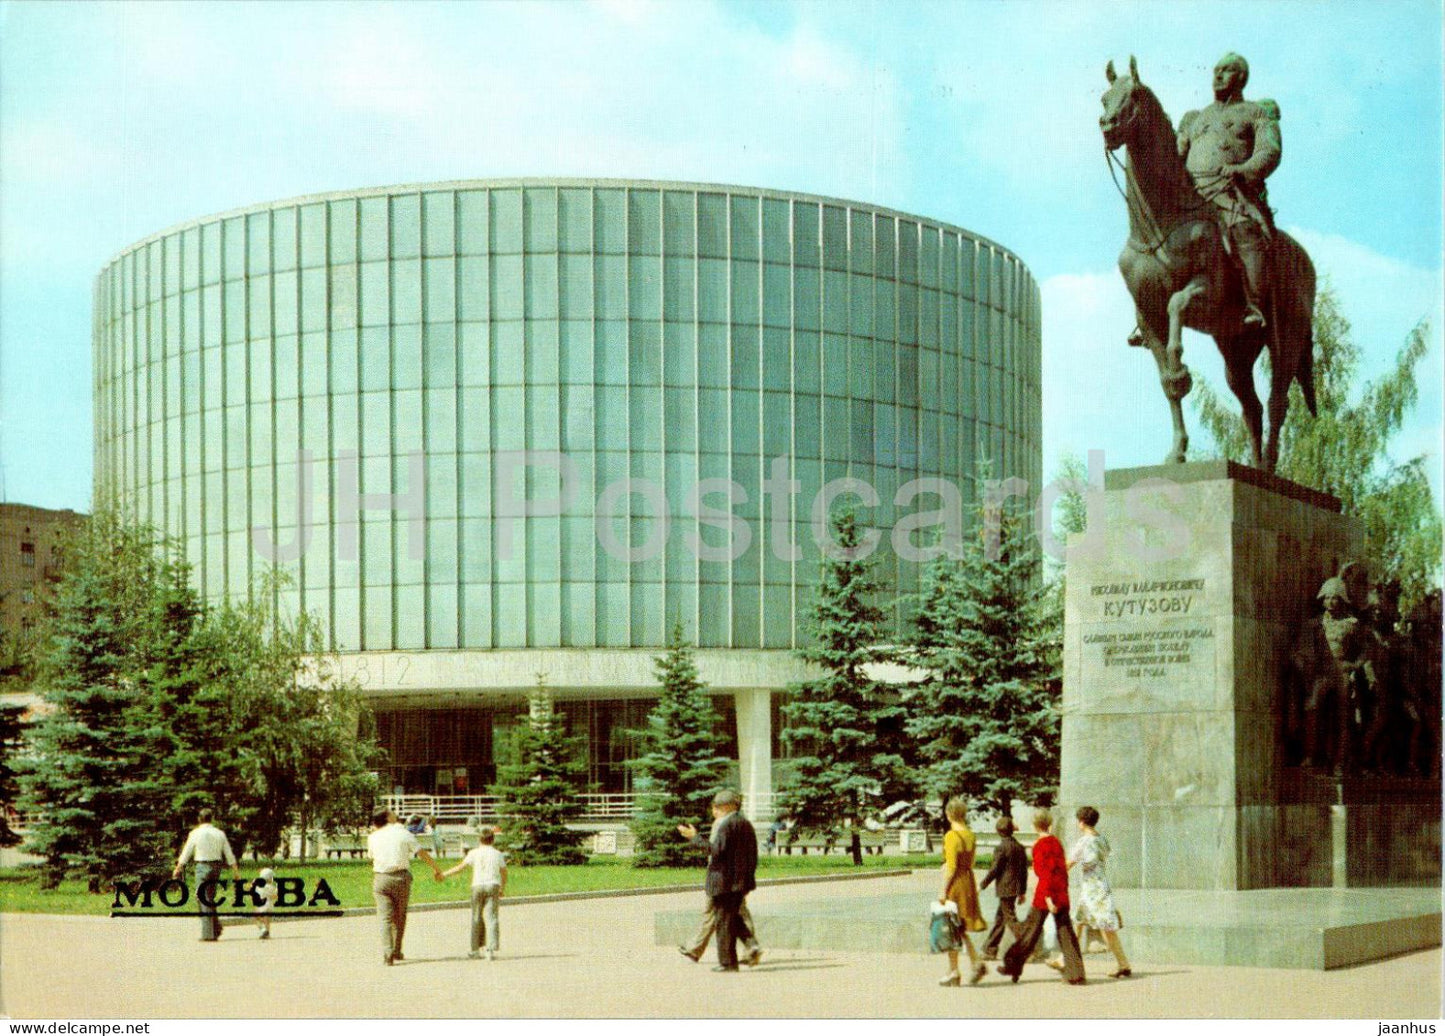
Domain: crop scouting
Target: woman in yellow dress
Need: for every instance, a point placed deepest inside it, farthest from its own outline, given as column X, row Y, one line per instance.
column 959, row 888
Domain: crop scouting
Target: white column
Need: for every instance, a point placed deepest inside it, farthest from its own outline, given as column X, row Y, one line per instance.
column 755, row 748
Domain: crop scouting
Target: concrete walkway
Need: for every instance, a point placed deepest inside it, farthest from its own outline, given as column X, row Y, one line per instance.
column 596, row 958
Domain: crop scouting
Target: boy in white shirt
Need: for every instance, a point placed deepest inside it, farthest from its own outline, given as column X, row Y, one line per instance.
column 489, row 881
column 267, row 889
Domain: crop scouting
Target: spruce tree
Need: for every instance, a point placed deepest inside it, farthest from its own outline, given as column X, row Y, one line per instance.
column 12, row 729
column 539, row 792
column 16, row 675
column 159, row 705
column 986, row 718
column 842, row 726
column 120, row 608
column 679, row 768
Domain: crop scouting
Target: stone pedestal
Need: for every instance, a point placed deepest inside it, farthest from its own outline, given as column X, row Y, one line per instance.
column 1184, row 600
column 1265, row 928
column 1385, row 829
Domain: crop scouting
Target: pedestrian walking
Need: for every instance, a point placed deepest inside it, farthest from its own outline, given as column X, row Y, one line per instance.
column 1051, row 898
column 209, row 849
column 731, row 872
column 489, row 882
column 959, row 889
column 391, row 848
column 1009, row 875
column 1095, row 911
column 266, row 889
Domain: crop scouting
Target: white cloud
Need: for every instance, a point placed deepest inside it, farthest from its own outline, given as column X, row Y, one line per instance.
column 1099, row 393
column 44, row 152
column 633, row 12
column 812, row 59
column 1382, row 297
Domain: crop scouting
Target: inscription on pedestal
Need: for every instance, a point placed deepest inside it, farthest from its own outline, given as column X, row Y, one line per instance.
column 1127, row 639
column 1149, row 652
column 1143, row 597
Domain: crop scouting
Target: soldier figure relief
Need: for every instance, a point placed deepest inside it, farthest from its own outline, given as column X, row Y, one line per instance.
column 1331, row 656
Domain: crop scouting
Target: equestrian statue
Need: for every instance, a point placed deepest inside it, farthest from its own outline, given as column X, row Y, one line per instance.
column 1203, row 251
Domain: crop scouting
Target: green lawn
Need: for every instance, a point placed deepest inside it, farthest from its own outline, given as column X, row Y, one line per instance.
column 350, row 880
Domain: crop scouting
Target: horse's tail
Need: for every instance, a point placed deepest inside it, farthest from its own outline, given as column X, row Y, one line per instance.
column 1306, row 373
column 1294, row 290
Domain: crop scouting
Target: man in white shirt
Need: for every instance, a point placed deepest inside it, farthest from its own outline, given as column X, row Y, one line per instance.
column 208, row 847
column 391, row 847
column 489, row 881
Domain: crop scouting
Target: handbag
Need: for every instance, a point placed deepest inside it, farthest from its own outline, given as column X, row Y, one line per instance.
column 1050, row 940
column 943, row 928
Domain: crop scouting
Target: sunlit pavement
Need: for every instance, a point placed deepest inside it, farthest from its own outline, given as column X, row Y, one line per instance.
column 596, row 958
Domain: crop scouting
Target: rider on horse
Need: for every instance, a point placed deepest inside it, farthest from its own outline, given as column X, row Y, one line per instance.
column 1229, row 149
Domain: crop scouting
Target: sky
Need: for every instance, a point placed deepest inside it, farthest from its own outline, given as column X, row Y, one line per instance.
column 119, row 120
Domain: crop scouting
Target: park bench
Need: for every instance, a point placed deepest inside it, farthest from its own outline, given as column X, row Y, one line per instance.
column 351, row 845
column 872, row 843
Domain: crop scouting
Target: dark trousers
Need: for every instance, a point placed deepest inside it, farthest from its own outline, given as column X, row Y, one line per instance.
column 1007, row 918
column 210, row 923
column 1033, row 929
column 730, row 927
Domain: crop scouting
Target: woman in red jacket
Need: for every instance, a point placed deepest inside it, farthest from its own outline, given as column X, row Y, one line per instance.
column 1051, row 896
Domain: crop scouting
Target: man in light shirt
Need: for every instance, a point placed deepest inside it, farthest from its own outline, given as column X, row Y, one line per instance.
column 391, row 847
column 208, row 847
column 489, row 881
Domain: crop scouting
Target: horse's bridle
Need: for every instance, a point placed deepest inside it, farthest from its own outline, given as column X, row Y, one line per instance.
column 1161, row 236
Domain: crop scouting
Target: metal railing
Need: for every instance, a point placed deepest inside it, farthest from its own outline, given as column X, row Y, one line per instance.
column 462, row 809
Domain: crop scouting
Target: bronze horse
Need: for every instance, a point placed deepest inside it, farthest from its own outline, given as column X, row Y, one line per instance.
column 1180, row 275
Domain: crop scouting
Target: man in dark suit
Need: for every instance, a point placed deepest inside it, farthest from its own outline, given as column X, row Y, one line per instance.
column 1010, row 875
column 732, row 867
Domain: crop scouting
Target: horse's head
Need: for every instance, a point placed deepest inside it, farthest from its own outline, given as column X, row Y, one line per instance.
column 1124, row 103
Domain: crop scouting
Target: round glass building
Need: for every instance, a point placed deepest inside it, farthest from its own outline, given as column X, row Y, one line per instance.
column 508, row 427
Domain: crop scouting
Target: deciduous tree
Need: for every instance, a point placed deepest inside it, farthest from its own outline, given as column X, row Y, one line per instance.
column 1345, row 449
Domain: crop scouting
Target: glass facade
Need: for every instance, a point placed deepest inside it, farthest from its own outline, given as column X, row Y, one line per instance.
column 344, row 377
column 456, row 751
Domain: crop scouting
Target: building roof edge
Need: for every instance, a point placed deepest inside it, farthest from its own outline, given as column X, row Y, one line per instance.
column 550, row 181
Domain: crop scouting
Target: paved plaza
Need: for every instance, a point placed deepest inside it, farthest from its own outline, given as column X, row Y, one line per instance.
column 597, row 958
